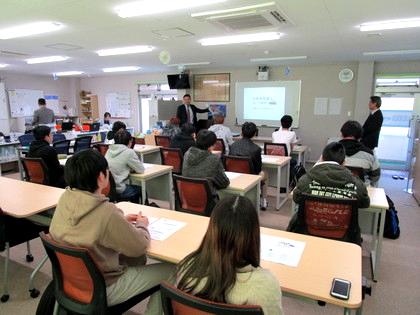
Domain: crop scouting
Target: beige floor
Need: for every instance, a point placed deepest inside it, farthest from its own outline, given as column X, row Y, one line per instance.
column 397, row 292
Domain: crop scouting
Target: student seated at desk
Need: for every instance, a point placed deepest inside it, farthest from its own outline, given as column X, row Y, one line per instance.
column 284, row 134
column 226, row 267
column 41, row 148
column 245, row 147
column 172, row 128
column 199, row 162
column 330, row 178
column 185, row 139
column 221, row 131
column 85, row 218
column 106, row 123
column 117, row 126
column 122, row 161
column 357, row 154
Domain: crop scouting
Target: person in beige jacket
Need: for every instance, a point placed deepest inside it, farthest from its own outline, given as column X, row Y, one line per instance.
column 226, row 266
column 84, row 217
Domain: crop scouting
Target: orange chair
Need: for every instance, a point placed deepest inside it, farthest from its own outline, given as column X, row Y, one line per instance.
column 358, row 172
column 177, row 302
column 238, row 164
column 275, row 149
column 193, row 195
column 78, row 285
column 36, row 171
column 163, row 141
column 141, row 141
column 220, row 146
column 172, row 157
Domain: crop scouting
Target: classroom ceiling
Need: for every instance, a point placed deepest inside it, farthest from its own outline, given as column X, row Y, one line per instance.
column 323, row 30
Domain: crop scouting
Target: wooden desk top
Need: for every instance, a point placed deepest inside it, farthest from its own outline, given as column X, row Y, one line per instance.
column 299, row 148
column 322, row 259
column 22, row 199
column 275, row 160
column 151, row 170
column 377, row 198
column 243, row 182
column 144, row 148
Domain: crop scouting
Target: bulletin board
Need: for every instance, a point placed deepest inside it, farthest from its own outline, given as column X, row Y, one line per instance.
column 214, row 87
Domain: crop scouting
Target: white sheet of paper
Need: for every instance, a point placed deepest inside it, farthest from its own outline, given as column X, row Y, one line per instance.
column 232, row 175
column 281, row 250
column 334, row 108
column 146, row 166
column 269, row 159
column 63, row 161
column 163, row 228
column 321, row 106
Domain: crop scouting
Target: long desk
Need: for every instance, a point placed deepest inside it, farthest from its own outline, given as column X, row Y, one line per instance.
column 322, row 259
column 243, row 185
column 275, row 167
column 148, row 153
column 156, row 181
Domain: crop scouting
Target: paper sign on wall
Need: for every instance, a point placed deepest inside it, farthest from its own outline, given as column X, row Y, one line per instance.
column 321, row 106
column 334, row 106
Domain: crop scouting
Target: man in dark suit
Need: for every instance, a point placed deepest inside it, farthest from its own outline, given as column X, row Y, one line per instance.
column 187, row 112
column 373, row 123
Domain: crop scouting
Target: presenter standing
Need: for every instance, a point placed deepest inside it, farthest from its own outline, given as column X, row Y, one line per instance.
column 373, row 124
column 187, row 112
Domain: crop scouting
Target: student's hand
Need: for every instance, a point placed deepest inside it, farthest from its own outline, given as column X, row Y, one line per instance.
column 131, row 217
column 142, row 219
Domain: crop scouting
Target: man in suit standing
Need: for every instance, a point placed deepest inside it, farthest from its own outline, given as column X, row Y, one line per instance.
column 373, row 124
column 187, row 112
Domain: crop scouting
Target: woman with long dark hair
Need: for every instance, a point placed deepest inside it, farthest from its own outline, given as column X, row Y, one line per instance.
column 226, row 266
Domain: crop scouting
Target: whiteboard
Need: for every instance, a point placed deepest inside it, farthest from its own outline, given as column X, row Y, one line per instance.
column 24, row 102
column 118, row 104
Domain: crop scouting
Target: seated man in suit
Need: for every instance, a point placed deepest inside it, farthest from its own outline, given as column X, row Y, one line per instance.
column 41, row 148
column 329, row 178
column 245, row 147
column 185, row 139
column 187, row 112
column 357, row 154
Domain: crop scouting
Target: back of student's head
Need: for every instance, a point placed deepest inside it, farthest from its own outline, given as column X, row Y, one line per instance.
column 377, row 100
column 118, row 125
column 41, row 101
column 188, row 129
column 286, row 121
column 218, row 118
column 352, row 128
column 107, row 115
column 249, row 130
column 40, row 132
column 334, row 152
column 205, row 139
column 122, row 137
column 174, row 121
column 232, row 241
column 83, row 169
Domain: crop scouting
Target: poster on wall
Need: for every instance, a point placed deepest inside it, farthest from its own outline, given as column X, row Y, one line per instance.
column 213, row 87
column 217, row 108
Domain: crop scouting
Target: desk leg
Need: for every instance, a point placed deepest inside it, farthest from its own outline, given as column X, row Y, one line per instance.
column 378, row 244
column 20, row 166
column 143, row 192
column 171, row 192
column 278, row 187
column 35, row 292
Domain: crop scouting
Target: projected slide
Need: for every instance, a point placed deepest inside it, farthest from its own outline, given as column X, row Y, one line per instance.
column 264, row 103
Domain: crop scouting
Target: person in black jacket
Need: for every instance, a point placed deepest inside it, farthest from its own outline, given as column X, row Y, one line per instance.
column 373, row 124
column 187, row 112
column 185, row 139
column 40, row 148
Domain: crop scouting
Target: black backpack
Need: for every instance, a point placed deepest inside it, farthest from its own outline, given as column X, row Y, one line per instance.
column 392, row 223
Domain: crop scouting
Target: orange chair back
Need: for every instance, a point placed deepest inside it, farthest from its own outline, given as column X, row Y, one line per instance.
column 172, row 157
column 279, row 149
column 141, row 141
column 238, row 164
column 219, row 146
column 163, row 141
column 36, row 170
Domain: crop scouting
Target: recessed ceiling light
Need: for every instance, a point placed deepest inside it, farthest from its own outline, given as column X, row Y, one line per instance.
column 68, row 73
column 124, row 50
column 29, row 29
column 46, row 59
column 148, row 7
column 249, row 7
column 3, row 65
column 190, row 64
column 390, row 25
column 244, row 38
column 279, row 58
column 121, row 69
column 392, row 52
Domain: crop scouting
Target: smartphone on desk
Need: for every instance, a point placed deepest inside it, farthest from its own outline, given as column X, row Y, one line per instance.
column 340, row 289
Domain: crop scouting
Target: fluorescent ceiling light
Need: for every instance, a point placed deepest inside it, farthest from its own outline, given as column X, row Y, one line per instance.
column 29, row 29
column 397, row 82
column 46, row 59
column 390, row 25
column 125, row 50
column 244, row 38
column 278, row 58
column 148, row 7
column 3, row 65
column 68, row 73
column 392, row 52
column 121, row 69
column 190, row 64
column 249, row 7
